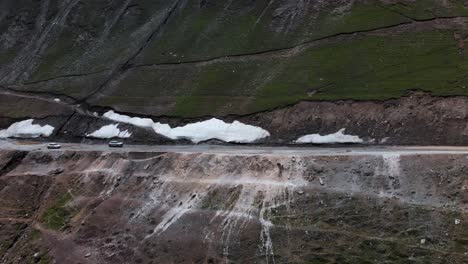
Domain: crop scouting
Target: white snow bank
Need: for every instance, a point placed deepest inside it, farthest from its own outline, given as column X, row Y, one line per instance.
column 199, row 131
column 136, row 121
column 109, row 131
column 338, row 137
column 26, row 129
column 213, row 129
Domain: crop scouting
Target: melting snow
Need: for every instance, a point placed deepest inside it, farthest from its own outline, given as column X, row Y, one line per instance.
column 338, row 137
column 26, row 129
column 199, row 131
column 109, row 131
column 213, row 129
column 136, row 121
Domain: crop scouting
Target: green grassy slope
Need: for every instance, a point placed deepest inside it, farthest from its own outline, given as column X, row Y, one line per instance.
column 368, row 67
column 238, row 57
column 251, row 26
column 364, row 66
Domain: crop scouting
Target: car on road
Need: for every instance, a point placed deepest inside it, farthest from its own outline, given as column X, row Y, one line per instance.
column 115, row 144
column 54, row 146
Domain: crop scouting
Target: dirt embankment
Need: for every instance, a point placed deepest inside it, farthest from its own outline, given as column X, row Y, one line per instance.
column 93, row 207
column 417, row 119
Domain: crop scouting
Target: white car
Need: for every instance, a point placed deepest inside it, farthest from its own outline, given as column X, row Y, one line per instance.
column 115, row 144
column 54, row 146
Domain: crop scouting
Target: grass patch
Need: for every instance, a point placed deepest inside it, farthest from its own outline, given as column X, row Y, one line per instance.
column 373, row 67
column 35, row 235
column 45, row 259
column 58, row 215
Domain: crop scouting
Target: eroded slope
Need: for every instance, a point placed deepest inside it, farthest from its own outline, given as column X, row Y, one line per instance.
column 95, row 207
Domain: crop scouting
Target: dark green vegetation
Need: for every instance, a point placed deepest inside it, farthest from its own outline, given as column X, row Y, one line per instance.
column 427, row 61
column 57, row 216
column 233, row 56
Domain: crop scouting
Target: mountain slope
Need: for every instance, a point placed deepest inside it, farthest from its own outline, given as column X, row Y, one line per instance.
column 195, row 58
column 155, row 207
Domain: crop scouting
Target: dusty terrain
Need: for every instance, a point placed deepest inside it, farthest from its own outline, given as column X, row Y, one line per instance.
column 233, row 206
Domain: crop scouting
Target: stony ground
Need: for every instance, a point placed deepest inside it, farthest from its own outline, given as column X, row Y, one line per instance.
column 172, row 207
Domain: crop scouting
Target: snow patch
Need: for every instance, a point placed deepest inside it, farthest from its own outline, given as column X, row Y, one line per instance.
column 213, row 129
column 199, row 131
column 338, row 137
column 56, row 100
column 109, row 131
column 26, row 129
column 136, row 121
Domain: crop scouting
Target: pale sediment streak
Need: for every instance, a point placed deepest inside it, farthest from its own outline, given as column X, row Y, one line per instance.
column 251, row 200
column 255, row 202
column 265, row 236
column 392, row 164
column 391, row 171
column 242, row 212
column 174, row 214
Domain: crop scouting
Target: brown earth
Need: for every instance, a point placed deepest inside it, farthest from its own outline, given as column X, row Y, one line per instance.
column 416, row 119
column 101, row 207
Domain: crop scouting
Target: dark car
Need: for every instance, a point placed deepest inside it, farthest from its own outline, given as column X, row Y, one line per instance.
column 54, row 146
column 115, row 144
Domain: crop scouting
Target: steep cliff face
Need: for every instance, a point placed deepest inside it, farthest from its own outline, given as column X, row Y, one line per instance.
column 100, row 207
column 196, row 58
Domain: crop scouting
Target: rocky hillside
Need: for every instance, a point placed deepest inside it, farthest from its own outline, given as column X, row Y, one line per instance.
column 101, row 207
